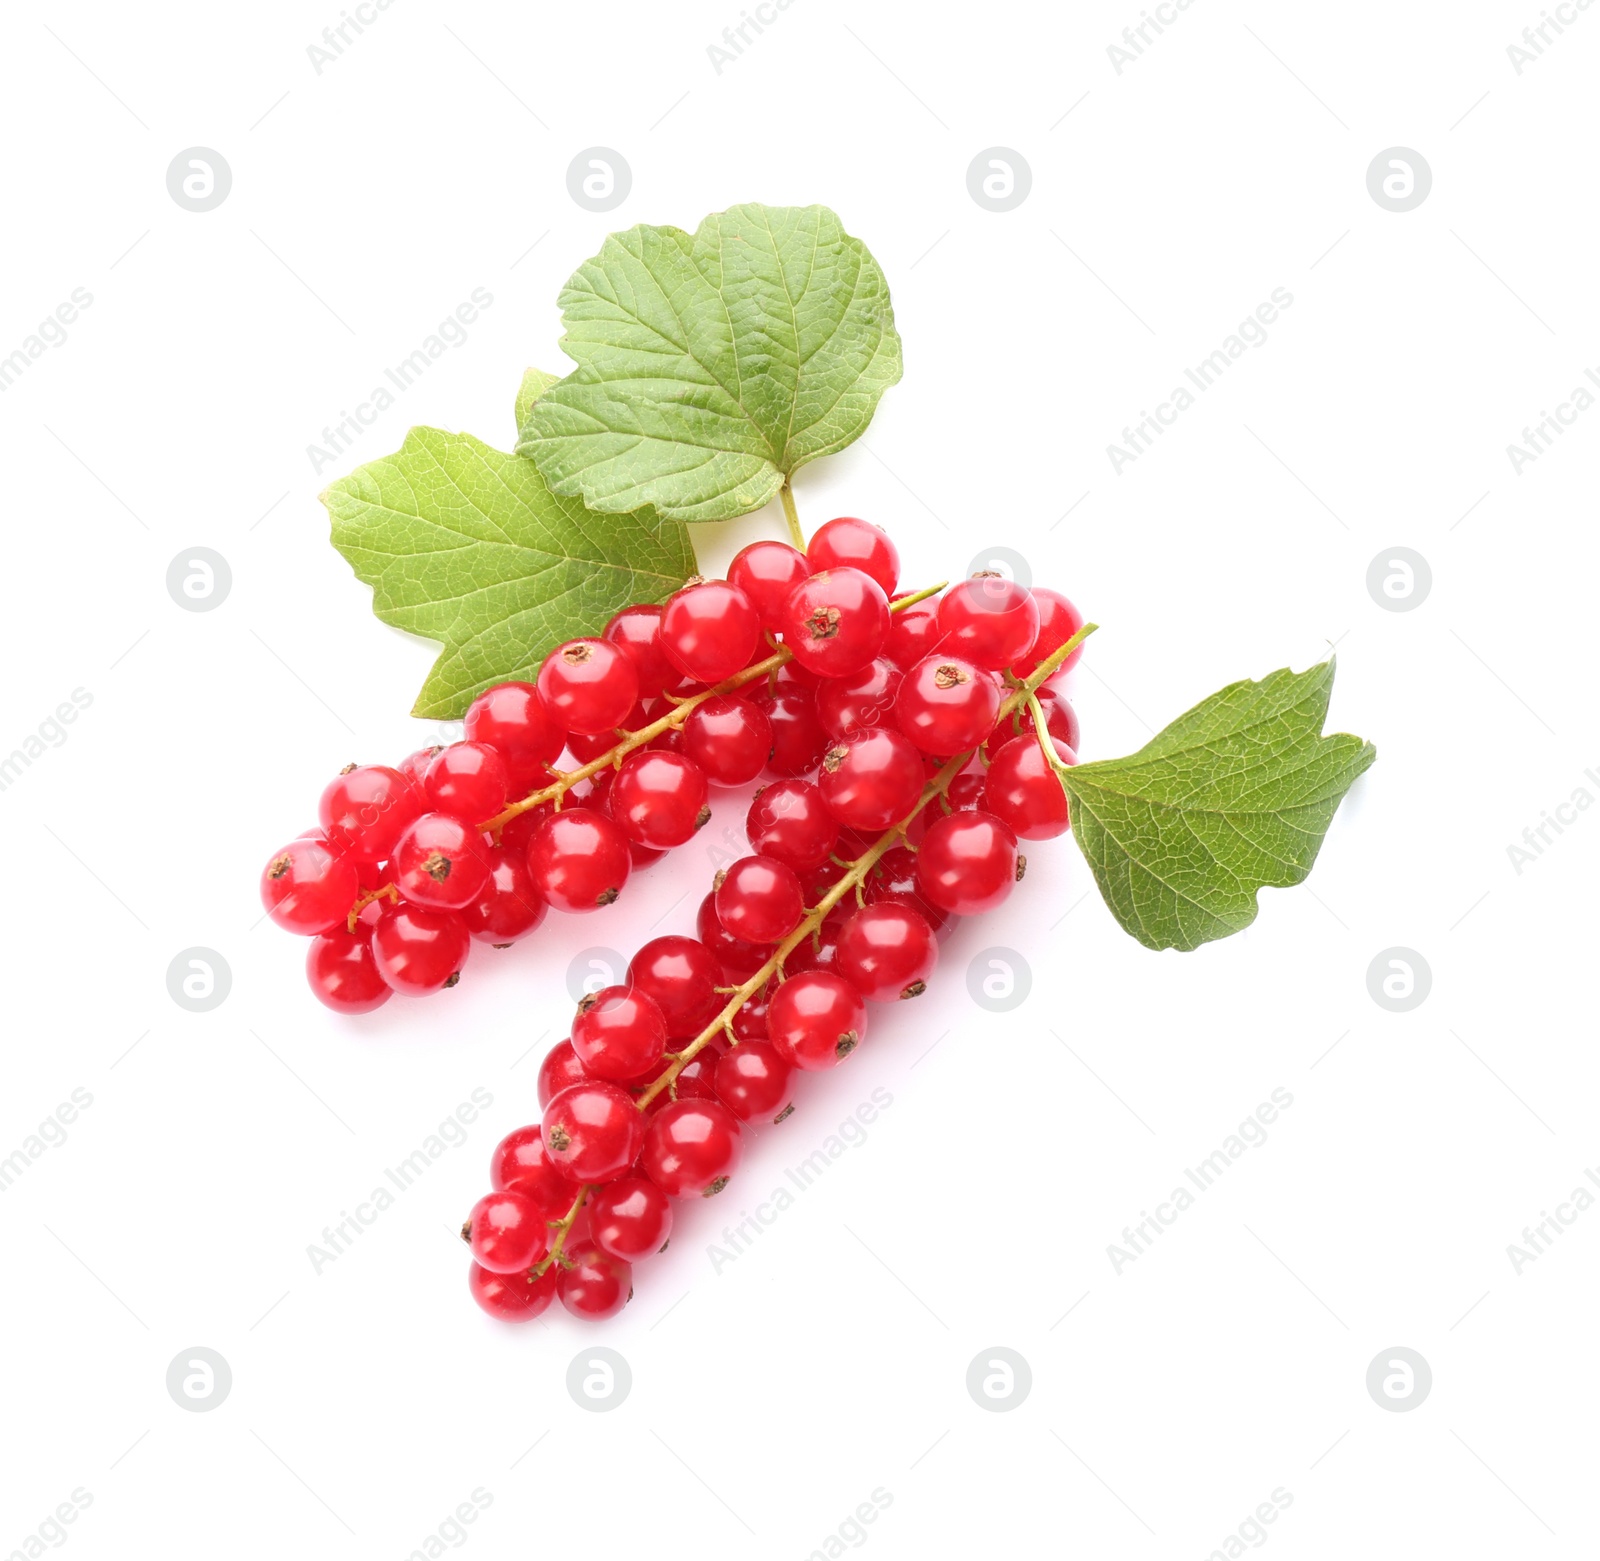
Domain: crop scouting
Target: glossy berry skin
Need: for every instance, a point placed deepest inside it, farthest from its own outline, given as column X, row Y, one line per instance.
column 418, row 950
column 658, row 798
column 637, row 630
column 597, row 1286
column 513, row 1298
column 947, row 705
column 619, row 1034
column 759, row 900
column 816, row 1020
column 343, row 974
column 468, row 780
column 893, row 878
column 1021, row 789
column 592, row 1132
column 750, row 1020
column 738, row 959
column 579, row 860
column 560, row 1070
column 308, row 887
column 520, row 1164
column 1059, row 620
column 914, row 632
column 887, row 952
column 507, row 1232
column 630, row 1219
column 415, row 765
column 681, row 976
column 729, row 738
column 861, row 699
column 512, row 719
column 871, row 780
column 968, row 863
column 819, row 951
column 693, row 1080
column 441, row 862
column 710, row 630
column 366, row 809
column 767, row 572
column 789, row 822
column 963, row 794
column 989, row 620
column 509, row 906
column 848, row 543
column 692, row 1147
column 589, row 686
column 752, row 1081
column 1060, row 720
column 798, row 740
column 836, row 622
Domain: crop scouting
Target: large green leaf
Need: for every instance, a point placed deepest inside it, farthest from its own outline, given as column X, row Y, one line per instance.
column 466, row 545
column 713, row 365
column 1233, row 797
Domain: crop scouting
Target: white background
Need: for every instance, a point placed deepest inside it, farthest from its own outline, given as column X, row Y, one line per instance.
column 772, row 1398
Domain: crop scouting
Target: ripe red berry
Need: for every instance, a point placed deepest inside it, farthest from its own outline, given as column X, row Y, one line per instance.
column 596, row 1287
column 513, row 1298
column 681, row 975
column 848, row 543
column 710, row 630
column 860, row 699
column 990, row 620
column 579, row 859
column 968, row 863
column 418, row 950
column 887, row 952
column 798, row 739
column 468, row 780
column 507, row 1232
column 893, row 878
column 308, row 887
column 914, row 632
column 593, row 1131
column 1023, row 791
column 560, row 1070
column 790, row 822
column 415, row 765
column 766, row 572
column 738, row 959
column 509, row 906
column 619, row 1034
column 729, row 738
column 659, row 799
column 441, row 862
column 692, row 1146
column 836, row 622
column 343, row 974
column 752, row 1081
column 511, row 718
column 520, row 1163
column 947, row 705
column 1059, row 620
column 589, row 686
column 872, row 780
column 759, row 899
column 1060, row 720
column 750, row 1021
column 629, row 1219
column 819, row 951
column 816, row 1020
column 366, row 808
column 637, row 630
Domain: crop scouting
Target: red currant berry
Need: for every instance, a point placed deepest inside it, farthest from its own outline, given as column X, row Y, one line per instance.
column 308, row 887
column 750, row 1022
column 872, row 780
column 861, row 699
column 963, row 794
column 836, row 622
column 692, row 1146
column 798, row 739
column 659, row 799
column 968, row 863
column 637, row 630
column 709, row 630
column 1059, row 620
column 848, row 543
column 681, row 975
column 619, row 1034
column 596, row 1286
column 468, row 780
column 630, row 1219
column 366, row 808
column 990, row 620
column 790, row 822
column 507, row 1232
column 520, row 1163
column 419, row 950
column 343, row 974
column 593, row 1131
column 415, row 765
column 1060, row 720
column 913, row 634
column 947, row 705
column 729, row 738
column 560, row 1070
column 579, row 859
column 738, row 959
column 893, row 879
column 752, row 1081
column 693, row 1080
column 511, row 718
column 820, row 951
column 585, row 748
column 509, row 906
column 816, row 1020
column 767, row 572
column 513, row 1298
column 887, row 952
column 589, row 686
column 1023, row 791
column 759, row 899
column 441, row 862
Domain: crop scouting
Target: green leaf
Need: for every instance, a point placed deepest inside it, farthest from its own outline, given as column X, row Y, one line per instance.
column 534, row 384
column 711, row 366
column 1233, row 797
column 466, row 545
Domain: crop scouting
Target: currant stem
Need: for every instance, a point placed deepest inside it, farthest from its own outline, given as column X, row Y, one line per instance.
column 388, row 891
column 565, row 1227
column 792, row 515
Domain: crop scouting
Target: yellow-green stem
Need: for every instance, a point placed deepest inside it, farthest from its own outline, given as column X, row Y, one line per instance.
column 563, row 1229
column 792, row 515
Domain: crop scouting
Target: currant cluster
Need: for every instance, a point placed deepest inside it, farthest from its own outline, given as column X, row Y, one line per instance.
column 909, row 768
